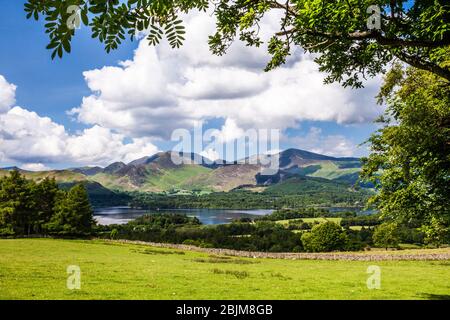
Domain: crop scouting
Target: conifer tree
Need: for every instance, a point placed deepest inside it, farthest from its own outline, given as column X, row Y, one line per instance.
column 16, row 201
column 73, row 213
column 44, row 196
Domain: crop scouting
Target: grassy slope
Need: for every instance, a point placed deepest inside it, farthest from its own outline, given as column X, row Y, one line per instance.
column 330, row 170
column 189, row 177
column 112, row 182
column 224, row 179
column 164, row 180
column 59, row 175
column 299, row 185
column 311, row 220
column 36, row 269
column 175, row 178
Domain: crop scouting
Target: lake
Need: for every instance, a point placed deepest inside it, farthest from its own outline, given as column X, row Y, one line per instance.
column 121, row 215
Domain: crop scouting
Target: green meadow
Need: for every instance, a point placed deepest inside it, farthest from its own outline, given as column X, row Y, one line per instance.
column 37, row 269
column 312, row 220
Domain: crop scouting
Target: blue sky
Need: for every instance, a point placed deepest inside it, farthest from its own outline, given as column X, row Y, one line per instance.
column 120, row 111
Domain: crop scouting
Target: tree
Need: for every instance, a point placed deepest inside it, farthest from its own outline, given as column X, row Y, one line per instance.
column 73, row 213
column 44, row 196
column 114, row 234
column 323, row 237
column 16, row 201
column 409, row 162
column 355, row 38
column 437, row 232
column 386, row 235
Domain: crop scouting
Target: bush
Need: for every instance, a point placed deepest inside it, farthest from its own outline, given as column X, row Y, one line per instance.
column 436, row 232
column 369, row 220
column 298, row 225
column 325, row 237
column 386, row 235
column 114, row 233
column 198, row 243
column 7, row 232
column 411, row 235
column 191, row 242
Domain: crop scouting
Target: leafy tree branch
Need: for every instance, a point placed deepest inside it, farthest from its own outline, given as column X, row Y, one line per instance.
column 416, row 32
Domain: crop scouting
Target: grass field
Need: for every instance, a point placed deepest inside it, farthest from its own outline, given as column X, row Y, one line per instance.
column 312, row 220
column 36, row 269
column 320, row 220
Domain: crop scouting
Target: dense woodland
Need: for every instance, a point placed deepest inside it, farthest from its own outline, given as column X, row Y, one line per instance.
column 265, row 234
column 243, row 199
column 30, row 208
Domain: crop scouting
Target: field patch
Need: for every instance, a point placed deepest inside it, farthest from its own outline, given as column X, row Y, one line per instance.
column 37, row 269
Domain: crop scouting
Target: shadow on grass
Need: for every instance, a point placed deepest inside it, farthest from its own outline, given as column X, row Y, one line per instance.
column 237, row 274
column 156, row 251
column 432, row 296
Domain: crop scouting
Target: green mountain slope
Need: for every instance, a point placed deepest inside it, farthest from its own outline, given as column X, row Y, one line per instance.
column 331, row 170
column 300, row 172
column 224, row 178
column 59, row 175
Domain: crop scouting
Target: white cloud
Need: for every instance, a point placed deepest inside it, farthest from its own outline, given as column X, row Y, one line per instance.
column 99, row 145
column 215, row 83
column 34, row 141
column 229, row 131
column 7, row 94
column 35, row 167
column 210, row 154
column 162, row 89
column 331, row 145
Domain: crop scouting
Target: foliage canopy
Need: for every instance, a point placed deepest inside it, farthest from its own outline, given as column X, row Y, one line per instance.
column 410, row 155
column 415, row 32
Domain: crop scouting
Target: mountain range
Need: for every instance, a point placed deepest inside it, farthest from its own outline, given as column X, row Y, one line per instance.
column 159, row 173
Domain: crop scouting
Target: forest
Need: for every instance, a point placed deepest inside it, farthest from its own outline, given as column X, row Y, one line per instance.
column 30, row 208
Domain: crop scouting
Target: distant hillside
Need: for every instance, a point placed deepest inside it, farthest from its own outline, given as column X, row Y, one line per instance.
column 160, row 173
column 59, row 175
column 156, row 173
column 224, row 178
column 311, row 164
column 98, row 194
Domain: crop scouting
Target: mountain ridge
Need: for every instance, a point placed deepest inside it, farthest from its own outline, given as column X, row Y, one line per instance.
column 159, row 172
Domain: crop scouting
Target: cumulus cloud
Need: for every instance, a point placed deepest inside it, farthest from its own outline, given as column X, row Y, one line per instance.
column 35, row 167
column 229, row 131
column 162, row 89
column 332, row 145
column 7, row 94
column 35, row 141
column 210, row 154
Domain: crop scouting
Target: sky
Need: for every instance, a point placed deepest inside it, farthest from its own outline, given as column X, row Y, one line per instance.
column 94, row 108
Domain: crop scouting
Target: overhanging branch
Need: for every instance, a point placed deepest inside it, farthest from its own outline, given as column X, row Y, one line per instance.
column 423, row 65
column 374, row 35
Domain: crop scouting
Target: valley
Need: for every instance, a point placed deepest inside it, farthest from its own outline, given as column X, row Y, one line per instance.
column 303, row 178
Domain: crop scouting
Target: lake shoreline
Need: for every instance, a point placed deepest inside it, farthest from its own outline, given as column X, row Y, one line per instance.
column 124, row 214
